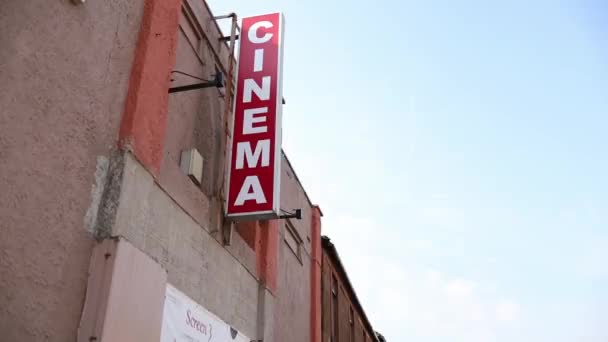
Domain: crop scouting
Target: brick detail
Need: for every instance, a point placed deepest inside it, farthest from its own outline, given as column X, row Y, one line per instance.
column 145, row 116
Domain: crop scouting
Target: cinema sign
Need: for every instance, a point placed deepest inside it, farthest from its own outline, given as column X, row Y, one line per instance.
column 255, row 150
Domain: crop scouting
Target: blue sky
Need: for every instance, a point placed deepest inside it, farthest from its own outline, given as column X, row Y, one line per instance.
column 458, row 150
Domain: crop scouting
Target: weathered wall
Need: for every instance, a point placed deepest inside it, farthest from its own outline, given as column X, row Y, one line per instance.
column 346, row 302
column 64, row 71
column 221, row 278
column 292, row 312
column 315, row 276
column 325, row 300
column 197, row 264
column 125, row 295
column 196, row 118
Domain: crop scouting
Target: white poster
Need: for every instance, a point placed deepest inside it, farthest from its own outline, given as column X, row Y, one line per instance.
column 184, row 320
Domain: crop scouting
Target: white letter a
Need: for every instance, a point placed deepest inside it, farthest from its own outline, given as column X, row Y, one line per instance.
column 251, row 190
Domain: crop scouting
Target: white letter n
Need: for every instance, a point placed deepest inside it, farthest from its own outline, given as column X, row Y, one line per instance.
column 250, row 87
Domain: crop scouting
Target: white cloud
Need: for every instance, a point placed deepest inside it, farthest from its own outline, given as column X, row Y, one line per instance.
column 459, row 287
column 404, row 298
column 418, row 244
column 507, row 310
column 592, row 260
column 433, row 276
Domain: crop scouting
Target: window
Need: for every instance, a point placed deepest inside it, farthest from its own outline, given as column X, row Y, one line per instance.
column 334, row 309
column 293, row 240
column 351, row 321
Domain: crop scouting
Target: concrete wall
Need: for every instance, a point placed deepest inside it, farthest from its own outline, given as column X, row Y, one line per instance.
column 64, row 72
column 196, row 263
column 223, row 279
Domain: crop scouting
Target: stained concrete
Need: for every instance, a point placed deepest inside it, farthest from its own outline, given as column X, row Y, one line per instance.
column 196, row 263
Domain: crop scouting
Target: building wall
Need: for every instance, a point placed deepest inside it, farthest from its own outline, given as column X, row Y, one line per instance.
column 294, row 297
column 196, row 263
column 220, row 278
column 360, row 331
column 196, row 119
column 64, row 72
column 89, row 148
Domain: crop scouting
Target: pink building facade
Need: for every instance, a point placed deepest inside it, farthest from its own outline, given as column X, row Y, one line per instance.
column 97, row 220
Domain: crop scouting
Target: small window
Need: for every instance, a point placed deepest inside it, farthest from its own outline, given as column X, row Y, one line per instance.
column 334, row 309
column 351, row 321
column 293, row 240
column 334, row 286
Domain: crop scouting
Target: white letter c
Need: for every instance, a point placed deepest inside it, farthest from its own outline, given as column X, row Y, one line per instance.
column 253, row 30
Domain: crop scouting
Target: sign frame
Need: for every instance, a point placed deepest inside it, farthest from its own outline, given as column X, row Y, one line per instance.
column 274, row 210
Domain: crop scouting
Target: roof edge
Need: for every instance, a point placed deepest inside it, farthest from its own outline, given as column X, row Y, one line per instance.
column 327, row 244
column 298, row 180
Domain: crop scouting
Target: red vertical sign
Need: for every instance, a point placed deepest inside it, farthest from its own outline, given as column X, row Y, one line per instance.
column 255, row 156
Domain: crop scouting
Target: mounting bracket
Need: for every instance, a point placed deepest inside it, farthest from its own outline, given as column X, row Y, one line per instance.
column 217, row 82
column 227, row 38
column 297, row 214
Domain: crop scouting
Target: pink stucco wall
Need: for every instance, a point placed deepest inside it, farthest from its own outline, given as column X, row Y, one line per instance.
column 125, row 295
column 64, row 71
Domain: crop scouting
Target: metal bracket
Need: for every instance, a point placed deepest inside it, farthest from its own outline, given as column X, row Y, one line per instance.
column 227, row 38
column 217, row 82
column 297, row 214
column 235, row 27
